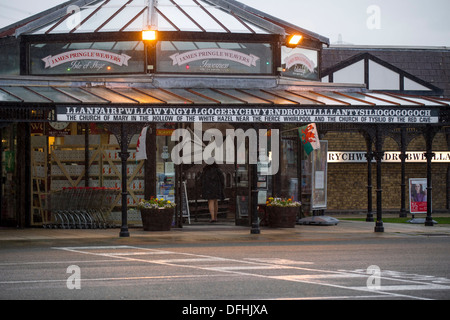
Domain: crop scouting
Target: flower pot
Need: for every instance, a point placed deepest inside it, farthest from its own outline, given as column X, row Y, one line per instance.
column 282, row 217
column 157, row 219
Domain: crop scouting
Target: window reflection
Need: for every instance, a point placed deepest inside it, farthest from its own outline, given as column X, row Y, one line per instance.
column 214, row 57
column 87, row 57
column 300, row 63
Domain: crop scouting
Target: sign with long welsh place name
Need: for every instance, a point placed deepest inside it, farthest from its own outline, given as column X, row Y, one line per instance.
column 389, row 156
column 224, row 113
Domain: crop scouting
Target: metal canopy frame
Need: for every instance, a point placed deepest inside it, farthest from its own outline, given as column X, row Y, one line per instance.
column 136, row 15
column 20, row 95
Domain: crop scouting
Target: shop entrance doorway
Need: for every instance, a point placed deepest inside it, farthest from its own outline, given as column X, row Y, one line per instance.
column 198, row 206
column 229, row 145
column 194, row 166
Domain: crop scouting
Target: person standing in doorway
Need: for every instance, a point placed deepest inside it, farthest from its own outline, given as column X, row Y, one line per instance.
column 212, row 188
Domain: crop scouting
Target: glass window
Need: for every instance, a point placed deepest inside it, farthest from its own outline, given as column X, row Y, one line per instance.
column 4, row 96
column 53, row 94
column 87, row 58
column 300, row 63
column 9, row 58
column 69, row 23
column 243, row 96
column 122, row 19
column 165, row 168
column 216, row 95
column 232, row 23
column 25, row 94
column 214, row 57
column 205, row 20
column 178, row 18
column 94, row 22
column 81, row 95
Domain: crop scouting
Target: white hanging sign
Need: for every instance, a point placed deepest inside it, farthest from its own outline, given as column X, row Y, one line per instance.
column 86, row 54
column 301, row 59
column 225, row 54
column 389, row 156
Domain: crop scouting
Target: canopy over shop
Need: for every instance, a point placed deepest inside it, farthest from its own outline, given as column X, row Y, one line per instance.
column 90, row 64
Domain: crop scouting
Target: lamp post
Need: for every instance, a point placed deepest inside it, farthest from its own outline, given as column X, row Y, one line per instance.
column 403, row 174
column 369, row 157
column 429, row 135
column 379, row 156
column 254, row 192
column 124, row 154
column 123, row 133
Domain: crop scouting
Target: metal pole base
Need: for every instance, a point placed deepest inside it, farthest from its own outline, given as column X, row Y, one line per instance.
column 429, row 222
column 124, row 233
column 255, row 228
column 379, row 226
column 403, row 214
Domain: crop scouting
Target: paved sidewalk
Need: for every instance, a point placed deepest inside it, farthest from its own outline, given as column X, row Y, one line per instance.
column 227, row 232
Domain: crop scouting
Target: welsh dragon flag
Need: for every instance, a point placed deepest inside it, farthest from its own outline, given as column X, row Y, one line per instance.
column 309, row 137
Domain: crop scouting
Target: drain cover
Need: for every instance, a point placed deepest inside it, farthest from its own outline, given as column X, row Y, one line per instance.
column 419, row 221
column 319, row 220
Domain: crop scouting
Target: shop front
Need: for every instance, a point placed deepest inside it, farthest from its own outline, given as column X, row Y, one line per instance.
column 74, row 100
column 264, row 138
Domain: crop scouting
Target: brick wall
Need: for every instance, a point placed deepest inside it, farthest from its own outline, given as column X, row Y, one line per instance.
column 347, row 182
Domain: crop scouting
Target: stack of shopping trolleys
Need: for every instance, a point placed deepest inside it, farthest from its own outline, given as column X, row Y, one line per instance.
column 81, row 207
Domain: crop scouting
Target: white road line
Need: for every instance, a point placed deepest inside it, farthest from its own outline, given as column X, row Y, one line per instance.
column 411, row 287
column 278, row 261
column 8, row 264
column 129, row 253
column 318, row 276
column 238, row 270
column 230, row 268
column 109, row 279
column 403, row 277
column 187, row 260
column 334, row 298
column 96, row 247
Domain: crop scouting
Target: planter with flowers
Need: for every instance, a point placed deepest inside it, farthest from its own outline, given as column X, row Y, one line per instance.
column 157, row 214
column 282, row 212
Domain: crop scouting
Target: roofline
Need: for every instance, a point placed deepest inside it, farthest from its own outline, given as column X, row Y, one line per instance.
column 237, row 9
column 387, row 47
column 267, row 16
column 363, row 56
column 42, row 18
column 20, row 23
column 259, row 18
column 179, row 81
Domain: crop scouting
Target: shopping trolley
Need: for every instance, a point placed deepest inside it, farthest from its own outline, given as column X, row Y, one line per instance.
column 81, row 207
